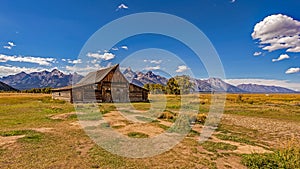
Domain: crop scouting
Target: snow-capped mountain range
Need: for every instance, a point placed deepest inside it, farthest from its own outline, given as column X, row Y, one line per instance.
column 56, row 78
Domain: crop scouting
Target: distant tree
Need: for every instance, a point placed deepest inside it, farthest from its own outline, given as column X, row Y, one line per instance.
column 155, row 88
column 180, row 85
column 147, row 86
column 173, row 86
column 46, row 90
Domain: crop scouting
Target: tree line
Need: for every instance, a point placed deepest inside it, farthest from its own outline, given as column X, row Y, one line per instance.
column 176, row 85
column 46, row 90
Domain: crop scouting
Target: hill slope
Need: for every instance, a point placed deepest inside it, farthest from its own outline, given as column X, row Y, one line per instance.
column 5, row 87
column 254, row 88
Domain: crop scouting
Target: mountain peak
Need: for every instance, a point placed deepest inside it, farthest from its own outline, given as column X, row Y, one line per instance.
column 42, row 79
column 55, row 70
column 149, row 72
column 215, row 79
column 22, row 73
column 141, row 78
column 128, row 70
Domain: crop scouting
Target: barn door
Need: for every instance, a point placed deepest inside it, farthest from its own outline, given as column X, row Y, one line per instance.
column 106, row 93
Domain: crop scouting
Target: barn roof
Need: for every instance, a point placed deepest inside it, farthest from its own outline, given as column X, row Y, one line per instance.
column 62, row 88
column 97, row 76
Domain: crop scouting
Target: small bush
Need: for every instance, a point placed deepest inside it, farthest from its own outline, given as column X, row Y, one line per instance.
column 239, row 98
column 234, row 138
column 144, row 119
column 166, row 115
column 137, row 135
column 197, row 118
column 201, row 118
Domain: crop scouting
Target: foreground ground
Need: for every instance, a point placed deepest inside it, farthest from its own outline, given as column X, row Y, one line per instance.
column 38, row 132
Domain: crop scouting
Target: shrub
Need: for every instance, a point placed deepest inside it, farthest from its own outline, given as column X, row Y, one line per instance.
column 239, row 98
column 166, row 115
column 137, row 135
column 288, row 156
column 201, row 118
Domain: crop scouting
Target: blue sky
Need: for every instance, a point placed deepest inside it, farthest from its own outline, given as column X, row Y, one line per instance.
column 38, row 35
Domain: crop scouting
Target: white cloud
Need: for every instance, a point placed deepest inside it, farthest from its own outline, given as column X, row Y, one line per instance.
column 278, row 32
column 232, row 1
column 10, row 70
column 122, row 6
column 182, row 68
column 94, row 61
column 29, row 59
column 115, row 48
column 256, row 53
column 293, row 70
column 268, row 82
column 9, row 46
column 124, row 47
column 104, row 56
column 83, row 70
column 281, row 57
column 63, row 60
column 75, row 61
column 153, row 61
column 152, row 67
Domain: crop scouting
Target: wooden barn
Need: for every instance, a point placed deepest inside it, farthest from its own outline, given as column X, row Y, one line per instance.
column 104, row 85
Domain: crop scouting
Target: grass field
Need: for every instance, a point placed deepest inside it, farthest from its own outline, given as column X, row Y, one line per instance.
column 256, row 131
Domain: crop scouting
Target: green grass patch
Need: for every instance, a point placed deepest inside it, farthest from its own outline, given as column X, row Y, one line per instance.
column 50, row 100
column 30, row 135
column 106, row 108
column 234, row 138
column 144, row 119
column 137, row 135
column 117, row 127
column 27, row 111
column 90, row 116
column 215, row 146
column 72, row 116
column 14, row 133
column 163, row 126
column 32, row 138
column 193, row 133
column 90, row 128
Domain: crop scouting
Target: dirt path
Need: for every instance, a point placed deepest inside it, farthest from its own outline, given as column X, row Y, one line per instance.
column 272, row 131
column 8, row 141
